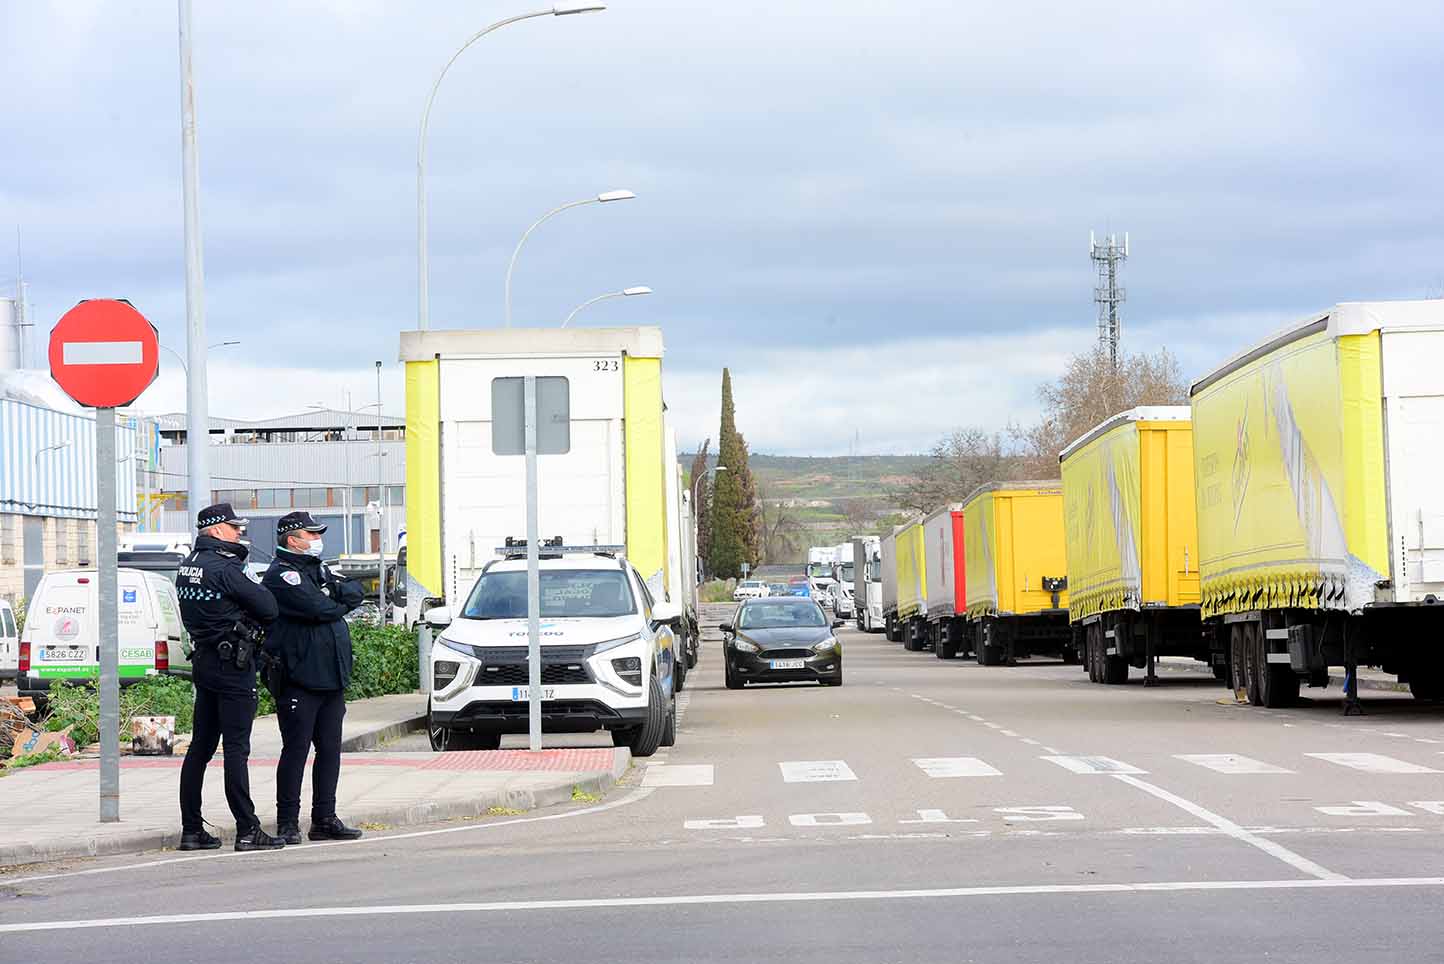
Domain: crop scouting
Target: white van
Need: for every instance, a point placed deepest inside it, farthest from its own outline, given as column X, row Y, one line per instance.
column 62, row 633
column 9, row 642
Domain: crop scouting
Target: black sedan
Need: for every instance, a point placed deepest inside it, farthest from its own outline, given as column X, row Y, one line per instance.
column 784, row 639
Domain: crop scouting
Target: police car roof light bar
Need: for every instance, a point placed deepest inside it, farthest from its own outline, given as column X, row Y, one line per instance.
column 553, row 549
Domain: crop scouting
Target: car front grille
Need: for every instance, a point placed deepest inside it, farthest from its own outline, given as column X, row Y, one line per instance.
column 787, row 654
column 517, row 674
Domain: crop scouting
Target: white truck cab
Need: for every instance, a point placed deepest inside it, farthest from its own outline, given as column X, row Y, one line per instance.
column 608, row 654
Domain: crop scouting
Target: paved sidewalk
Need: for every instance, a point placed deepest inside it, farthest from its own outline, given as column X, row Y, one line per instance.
column 50, row 812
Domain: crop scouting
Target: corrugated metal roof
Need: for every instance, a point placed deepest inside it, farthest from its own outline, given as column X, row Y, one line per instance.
column 318, row 420
column 38, row 479
column 280, row 465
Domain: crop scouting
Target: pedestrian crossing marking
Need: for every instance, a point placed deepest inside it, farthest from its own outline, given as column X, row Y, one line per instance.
column 1229, row 763
column 940, row 768
column 1371, row 762
column 816, row 771
column 1093, row 764
column 680, row 775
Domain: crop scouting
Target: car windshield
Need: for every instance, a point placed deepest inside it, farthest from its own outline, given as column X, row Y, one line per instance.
column 816, row 569
column 781, row 615
column 847, row 572
column 585, row 593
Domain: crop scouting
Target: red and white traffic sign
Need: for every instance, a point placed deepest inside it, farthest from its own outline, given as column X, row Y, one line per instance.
column 104, row 353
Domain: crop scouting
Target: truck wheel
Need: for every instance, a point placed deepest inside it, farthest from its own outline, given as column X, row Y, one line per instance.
column 1114, row 669
column 911, row 638
column 1090, row 651
column 947, row 647
column 643, row 740
column 1278, row 687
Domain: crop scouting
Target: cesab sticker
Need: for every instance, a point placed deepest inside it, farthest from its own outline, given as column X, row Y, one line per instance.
column 66, row 628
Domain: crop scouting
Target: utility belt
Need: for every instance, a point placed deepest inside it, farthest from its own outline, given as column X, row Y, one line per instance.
column 240, row 645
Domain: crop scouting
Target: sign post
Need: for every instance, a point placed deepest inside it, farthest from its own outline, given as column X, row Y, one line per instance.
column 531, row 416
column 104, row 353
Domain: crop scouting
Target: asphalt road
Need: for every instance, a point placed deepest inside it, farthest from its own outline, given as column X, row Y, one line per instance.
column 925, row 811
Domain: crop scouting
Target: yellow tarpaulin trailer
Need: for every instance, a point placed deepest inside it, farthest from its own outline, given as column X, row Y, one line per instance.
column 1017, row 586
column 1132, row 540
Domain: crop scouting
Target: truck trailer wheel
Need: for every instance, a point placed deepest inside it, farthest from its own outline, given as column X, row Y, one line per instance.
column 990, row 650
column 947, row 647
column 1091, row 633
column 912, row 632
column 1277, row 685
column 1114, row 668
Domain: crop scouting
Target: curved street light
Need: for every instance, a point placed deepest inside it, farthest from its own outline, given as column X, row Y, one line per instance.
column 624, row 293
column 599, row 199
column 219, row 344
column 423, row 304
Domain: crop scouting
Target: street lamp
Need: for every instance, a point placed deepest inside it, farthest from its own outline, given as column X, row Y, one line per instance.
column 50, row 448
column 599, row 199
column 220, row 344
column 695, row 482
column 423, row 305
column 624, row 293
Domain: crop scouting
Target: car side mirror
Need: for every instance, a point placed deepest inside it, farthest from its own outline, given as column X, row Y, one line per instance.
column 727, row 628
column 438, row 617
column 665, row 612
column 837, row 624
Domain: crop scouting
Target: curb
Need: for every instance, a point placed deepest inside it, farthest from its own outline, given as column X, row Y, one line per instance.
column 597, row 783
column 1372, row 684
column 374, row 738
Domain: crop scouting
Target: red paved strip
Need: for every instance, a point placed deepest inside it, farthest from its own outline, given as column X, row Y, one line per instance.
column 523, row 760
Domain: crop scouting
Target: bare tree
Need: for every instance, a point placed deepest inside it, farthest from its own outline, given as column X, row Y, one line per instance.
column 859, row 511
column 779, row 529
column 959, row 463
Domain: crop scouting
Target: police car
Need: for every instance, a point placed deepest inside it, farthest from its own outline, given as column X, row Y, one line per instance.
column 607, row 655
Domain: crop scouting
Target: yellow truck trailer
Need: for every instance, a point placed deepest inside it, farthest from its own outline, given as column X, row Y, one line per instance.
column 1016, row 562
column 911, row 562
column 1317, row 463
column 1132, row 539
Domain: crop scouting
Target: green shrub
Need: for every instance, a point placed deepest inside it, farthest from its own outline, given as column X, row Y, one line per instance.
column 717, row 590
column 385, row 661
column 78, row 706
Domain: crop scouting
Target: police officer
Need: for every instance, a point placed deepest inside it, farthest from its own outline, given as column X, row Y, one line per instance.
column 312, row 643
column 223, row 611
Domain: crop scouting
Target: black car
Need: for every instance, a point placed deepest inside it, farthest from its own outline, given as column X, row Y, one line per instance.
column 781, row 640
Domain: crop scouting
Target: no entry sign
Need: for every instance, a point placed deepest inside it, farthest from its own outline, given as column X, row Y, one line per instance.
column 104, row 353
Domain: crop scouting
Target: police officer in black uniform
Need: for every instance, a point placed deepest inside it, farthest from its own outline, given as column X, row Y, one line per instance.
column 312, row 644
column 224, row 612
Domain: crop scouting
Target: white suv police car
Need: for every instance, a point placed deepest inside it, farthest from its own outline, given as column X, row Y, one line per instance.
column 607, row 656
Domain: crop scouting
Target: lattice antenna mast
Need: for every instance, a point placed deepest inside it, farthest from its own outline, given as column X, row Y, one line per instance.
column 1107, row 255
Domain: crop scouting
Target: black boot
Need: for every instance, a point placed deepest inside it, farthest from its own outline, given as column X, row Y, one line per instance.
column 331, row 828
column 198, row 840
column 290, row 833
column 258, row 839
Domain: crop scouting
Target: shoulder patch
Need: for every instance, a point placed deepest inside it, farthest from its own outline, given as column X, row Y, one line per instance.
column 292, row 577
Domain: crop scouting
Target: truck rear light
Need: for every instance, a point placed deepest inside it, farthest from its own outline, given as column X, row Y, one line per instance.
column 444, row 672
column 24, row 657
column 162, row 656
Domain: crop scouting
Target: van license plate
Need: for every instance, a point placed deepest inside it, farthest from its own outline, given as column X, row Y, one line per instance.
column 789, row 664
column 63, row 654
column 522, row 694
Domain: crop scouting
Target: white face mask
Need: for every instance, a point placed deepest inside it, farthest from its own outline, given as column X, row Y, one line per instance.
column 315, row 547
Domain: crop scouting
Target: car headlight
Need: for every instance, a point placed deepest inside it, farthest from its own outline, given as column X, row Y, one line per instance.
column 828, row 645
column 612, row 644
column 745, row 646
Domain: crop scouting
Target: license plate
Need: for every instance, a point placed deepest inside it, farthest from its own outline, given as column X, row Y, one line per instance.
column 63, row 654
column 789, row 664
column 522, row 694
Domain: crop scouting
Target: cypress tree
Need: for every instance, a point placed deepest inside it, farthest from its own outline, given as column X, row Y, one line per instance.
column 727, row 523
column 704, row 499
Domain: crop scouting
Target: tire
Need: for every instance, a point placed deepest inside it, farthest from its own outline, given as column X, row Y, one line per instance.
column 1113, row 670
column 947, row 647
column 444, row 739
column 1091, row 632
column 643, row 740
column 730, row 678
column 669, row 728
column 911, row 637
column 837, row 681
column 1427, row 686
column 1252, row 651
column 679, row 672
column 1277, row 685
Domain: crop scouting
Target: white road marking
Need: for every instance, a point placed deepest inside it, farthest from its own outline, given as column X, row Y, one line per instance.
column 1031, row 742
column 1093, row 764
column 944, row 767
column 938, row 816
column 993, row 726
column 636, row 796
column 1229, row 763
column 1007, row 732
column 750, row 821
column 1233, row 830
column 975, row 718
column 829, row 819
column 1435, row 807
column 816, row 771
column 680, row 775
column 1365, row 808
column 1371, row 762
column 694, row 900
column 1030, row 814
column 1049, row 749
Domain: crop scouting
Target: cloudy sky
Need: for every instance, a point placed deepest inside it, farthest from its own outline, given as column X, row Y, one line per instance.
column 876, row 213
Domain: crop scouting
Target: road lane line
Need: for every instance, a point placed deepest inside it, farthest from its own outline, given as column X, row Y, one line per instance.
column 680, row 775
column 944, row 767
column 696, row 900
column 1229, row 763
column 1296, row 861
column 1371, row 762
column 1093, row 764
column 636, row 796
column 816, row 771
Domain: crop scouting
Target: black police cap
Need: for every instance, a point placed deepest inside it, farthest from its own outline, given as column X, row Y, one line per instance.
column 297, row 522
column 221, row 512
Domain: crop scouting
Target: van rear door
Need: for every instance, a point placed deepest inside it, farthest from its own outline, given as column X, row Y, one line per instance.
column 61, row 625
column 139, row 621
column 9, row 642
column 171, row 629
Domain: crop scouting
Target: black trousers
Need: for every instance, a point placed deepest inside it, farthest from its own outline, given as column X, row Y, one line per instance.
column 221, row 716
column 308, row 718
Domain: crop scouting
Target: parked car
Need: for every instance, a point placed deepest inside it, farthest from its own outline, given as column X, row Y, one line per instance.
column 61, row 642
column 608, row 657
column 781, row 640
column 777, row 589
column 750, row 589
column 9, row 642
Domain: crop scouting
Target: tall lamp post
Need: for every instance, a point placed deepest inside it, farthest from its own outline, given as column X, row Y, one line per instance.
column 423, row 268
column 605, row 198
column 624, row 293
column 695, row 482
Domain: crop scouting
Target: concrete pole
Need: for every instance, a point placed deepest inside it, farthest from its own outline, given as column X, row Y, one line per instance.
column 198, row 487
column 381, row 504
column 533, row 572
column 108, row 605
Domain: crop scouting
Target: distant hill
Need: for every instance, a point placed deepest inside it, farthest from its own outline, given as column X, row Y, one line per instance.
column 819, row 490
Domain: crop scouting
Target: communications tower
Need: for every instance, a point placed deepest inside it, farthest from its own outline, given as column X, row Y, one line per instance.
column 1107, row 255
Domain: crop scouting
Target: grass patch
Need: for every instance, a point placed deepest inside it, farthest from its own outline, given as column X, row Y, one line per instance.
column 510, row 811
column 581, row 796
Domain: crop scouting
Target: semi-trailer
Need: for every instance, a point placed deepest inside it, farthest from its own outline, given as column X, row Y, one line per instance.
column 843, row 606
column 1317, row 464
column 1132, row 541
column 887, row 562
column 867, row 583
column 945, row 602
column 1016, row 571
column 910, row 625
